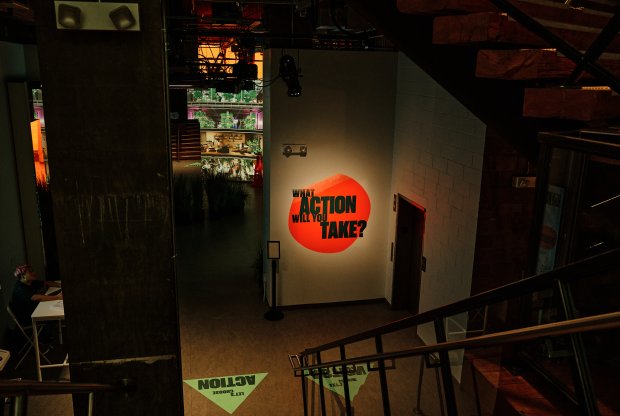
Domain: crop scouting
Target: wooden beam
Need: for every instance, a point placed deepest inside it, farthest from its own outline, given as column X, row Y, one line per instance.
column 499, row 28
column 531, row 64
column 479, row 28
column 573, row 104
column 592, row 14
column 444, row 6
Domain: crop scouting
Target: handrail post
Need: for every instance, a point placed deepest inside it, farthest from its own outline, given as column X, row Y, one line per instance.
column 418, row 411
column 19, row 406
column 446, row 373
column 385, row 394
column 304, row 388
column 91, row 400
column 345, row 382
column 321, row 390
column 583, row 383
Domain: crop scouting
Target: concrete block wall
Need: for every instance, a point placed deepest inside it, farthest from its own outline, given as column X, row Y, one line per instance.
column 437, row 163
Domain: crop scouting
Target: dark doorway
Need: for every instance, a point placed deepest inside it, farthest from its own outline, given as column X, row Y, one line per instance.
column 408, row 256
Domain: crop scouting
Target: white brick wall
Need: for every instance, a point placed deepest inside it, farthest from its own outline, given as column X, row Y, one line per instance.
column 438, row 153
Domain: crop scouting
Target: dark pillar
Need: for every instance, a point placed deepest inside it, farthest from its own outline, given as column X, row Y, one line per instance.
column 105, row 98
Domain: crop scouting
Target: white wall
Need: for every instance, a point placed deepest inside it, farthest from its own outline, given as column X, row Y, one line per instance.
column 345, row 117
column 438, row 152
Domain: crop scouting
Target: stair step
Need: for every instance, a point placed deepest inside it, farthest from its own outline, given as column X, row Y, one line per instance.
column 185, row 140
column 584, row 104
column 531, row 64
column 502, row 392
column 494, row 27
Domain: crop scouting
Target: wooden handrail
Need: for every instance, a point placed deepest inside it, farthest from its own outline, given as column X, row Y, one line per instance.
column 14, row 388
column 590, row 323
column 571, row 272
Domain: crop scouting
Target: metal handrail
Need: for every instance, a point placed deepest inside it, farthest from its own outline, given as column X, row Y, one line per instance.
column 560, row 278
column 13, row 388
column 571, row 272
column 572, row 326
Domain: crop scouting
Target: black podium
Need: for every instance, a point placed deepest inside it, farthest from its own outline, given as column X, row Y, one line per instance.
column 273, row 253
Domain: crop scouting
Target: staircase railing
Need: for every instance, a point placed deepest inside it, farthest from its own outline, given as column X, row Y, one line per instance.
column 309, row 362
column 15, row 393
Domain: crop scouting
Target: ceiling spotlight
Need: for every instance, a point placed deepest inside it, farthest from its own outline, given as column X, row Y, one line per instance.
column 94, row 15
column 290, row 75
column 69, row 16
column 122, row 18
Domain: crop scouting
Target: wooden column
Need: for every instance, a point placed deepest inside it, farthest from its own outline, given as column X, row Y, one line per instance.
column 105, row 100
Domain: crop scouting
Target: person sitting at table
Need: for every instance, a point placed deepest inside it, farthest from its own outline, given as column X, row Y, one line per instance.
column 28, row 292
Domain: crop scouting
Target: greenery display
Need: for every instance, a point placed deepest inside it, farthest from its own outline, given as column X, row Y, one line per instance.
column 226, row 120
column 204, row 120
column 210, row 95
column 255, row 145
column 249, row 123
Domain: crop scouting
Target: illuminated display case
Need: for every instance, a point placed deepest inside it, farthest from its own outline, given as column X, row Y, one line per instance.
column 231, row 129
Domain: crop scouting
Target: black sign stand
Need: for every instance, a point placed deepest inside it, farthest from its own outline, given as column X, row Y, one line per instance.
column 273, row 253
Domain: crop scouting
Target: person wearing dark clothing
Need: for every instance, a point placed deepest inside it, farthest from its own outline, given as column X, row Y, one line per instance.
column 28, row 292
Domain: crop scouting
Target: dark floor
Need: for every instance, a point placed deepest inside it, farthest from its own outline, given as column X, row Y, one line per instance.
column 224, row 333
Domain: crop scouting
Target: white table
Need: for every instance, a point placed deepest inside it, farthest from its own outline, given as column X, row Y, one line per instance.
column 52, row 310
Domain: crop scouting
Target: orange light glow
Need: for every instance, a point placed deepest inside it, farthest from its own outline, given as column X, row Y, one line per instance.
column 37, row 151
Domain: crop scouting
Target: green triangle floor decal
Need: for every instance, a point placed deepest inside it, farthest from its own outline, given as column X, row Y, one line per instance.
column 333, row 381
column 227, row 392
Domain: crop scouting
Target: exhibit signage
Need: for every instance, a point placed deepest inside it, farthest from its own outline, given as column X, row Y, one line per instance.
column 330, row 215
column 550, row 229
column 334, row 381
column 227, row 392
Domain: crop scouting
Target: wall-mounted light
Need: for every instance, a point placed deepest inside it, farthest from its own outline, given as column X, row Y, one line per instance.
column 86, row 15
column 294, row 149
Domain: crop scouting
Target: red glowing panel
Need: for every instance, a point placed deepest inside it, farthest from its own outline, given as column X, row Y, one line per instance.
column 330, row 215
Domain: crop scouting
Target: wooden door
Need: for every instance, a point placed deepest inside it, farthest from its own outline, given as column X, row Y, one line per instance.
column 408, row 256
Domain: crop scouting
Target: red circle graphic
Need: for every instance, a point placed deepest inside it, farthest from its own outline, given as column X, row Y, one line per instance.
column 330, row 215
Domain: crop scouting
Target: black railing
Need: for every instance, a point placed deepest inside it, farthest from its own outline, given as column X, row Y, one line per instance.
column 310, row 361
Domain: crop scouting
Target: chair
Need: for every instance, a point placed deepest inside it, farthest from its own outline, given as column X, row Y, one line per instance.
column 26, row 331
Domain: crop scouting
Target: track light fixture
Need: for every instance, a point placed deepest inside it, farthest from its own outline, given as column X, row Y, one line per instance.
column 69, row 17
column 290, row 75
column 122, row 18
column 88, row 15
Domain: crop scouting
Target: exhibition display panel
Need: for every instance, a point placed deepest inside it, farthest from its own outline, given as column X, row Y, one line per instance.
column 231, row 130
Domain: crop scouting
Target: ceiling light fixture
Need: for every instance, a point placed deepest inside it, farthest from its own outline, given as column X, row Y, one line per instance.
column 290, row 75
column 69, row 17
column 89, row 15
column 122, row 18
